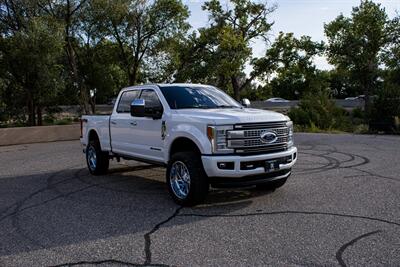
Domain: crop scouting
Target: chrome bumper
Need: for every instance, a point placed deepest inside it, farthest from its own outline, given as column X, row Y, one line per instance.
column 210, row 164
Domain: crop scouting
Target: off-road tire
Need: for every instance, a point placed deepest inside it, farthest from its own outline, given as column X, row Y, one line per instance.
column 199, row 184
column 102, row 159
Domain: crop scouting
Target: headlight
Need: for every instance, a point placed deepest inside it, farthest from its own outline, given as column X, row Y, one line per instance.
column 289, row 124
column 217, row 137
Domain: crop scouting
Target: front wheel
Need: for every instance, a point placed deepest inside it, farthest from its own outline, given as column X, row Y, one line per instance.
column 186, row 180
column 97, row 160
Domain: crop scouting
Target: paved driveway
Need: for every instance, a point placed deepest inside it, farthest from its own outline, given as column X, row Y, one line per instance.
column 341, row 206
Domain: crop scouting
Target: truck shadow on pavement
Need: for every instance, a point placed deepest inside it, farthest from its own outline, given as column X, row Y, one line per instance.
column 72, row 206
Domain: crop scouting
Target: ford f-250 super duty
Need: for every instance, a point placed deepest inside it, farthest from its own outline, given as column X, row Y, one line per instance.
column 198, row 132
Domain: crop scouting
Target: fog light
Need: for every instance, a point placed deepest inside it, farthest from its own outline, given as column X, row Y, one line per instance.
column 294, row 156
column 226, row 165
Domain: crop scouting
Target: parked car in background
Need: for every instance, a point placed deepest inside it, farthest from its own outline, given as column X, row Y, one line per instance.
column 351, row 98
column 277, row 99
column 360, row 97
column 199, row 133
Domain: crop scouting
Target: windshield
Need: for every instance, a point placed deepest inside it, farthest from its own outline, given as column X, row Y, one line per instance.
column 180, row 97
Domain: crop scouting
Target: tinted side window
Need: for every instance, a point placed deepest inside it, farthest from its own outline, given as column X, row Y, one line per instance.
column 151, row 101
column 124, row 105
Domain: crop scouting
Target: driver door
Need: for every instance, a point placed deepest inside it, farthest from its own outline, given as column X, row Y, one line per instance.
column 146, row 133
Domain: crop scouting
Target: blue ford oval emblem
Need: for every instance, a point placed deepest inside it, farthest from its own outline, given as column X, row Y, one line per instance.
column 268, row 137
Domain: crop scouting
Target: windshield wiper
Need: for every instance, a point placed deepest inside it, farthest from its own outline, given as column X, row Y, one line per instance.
column 226, row 106
column 188, row 107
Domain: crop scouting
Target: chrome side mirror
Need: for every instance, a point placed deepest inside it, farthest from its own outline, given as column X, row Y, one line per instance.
column 137, row 108
column 246, row 102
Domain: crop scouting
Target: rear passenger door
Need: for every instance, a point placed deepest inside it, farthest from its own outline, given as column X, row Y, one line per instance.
column 122, row 129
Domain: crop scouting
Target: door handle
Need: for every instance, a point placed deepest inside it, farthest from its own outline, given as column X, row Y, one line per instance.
column 113, row 122
column 134, row 123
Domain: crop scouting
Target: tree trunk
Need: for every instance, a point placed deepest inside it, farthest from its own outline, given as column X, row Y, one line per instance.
column 75, row 76
column 73, row 62
column 39, row 115
column 92, row 103
column 133, row 75
column 367, row 103
column 31, row 111
column 236, row 88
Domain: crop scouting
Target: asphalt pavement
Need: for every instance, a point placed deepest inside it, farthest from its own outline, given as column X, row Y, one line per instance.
column 340, row 207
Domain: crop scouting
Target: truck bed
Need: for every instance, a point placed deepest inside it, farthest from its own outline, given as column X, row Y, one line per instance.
column 101, row 123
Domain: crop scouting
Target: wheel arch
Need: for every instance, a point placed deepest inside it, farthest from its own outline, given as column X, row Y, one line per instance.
column 92, row 135
column 183, row 144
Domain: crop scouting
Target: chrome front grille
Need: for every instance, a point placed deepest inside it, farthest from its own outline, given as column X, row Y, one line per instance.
column 235, row 143
column 258, row 133
column 246, row 138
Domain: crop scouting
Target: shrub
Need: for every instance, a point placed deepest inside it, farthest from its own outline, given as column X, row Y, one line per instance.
column 385, row 110
column 357, row 113
column 318, row 111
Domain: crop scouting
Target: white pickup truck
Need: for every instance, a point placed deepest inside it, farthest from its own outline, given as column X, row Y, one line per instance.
column 198, row 132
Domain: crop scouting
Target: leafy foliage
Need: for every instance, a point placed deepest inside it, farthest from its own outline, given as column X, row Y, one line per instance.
column 140, row 29
column 218, row 54
column 385, row 111
column 318, row 110
column 33, row 71
column 75, row 46
column 290, row 60
column 355, row 43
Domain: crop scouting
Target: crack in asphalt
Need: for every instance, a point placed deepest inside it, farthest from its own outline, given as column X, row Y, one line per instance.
column 332, row 163
column 147, row 249
column 17, row 206
column 101, row 262
column 289, row 212
column 339, row 253
column 147, row 236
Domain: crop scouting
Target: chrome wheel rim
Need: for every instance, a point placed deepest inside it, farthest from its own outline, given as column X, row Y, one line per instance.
column 179, row 179
column 91, row 157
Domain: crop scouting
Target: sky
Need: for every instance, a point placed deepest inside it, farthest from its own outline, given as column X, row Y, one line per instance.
column 302, row 17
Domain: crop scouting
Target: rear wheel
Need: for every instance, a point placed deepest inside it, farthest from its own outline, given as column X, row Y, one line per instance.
column 186, row 180
column 97, row 160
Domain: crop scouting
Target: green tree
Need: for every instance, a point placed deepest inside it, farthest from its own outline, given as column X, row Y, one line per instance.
column 391, row 52
column 355, row 43
column 289, row 61
column 140, row 29
column 101, row 70
column 220, row 52
column 69, row 13
column 32, row 58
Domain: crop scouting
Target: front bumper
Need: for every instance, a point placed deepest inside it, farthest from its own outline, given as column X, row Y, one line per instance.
column 210, row 164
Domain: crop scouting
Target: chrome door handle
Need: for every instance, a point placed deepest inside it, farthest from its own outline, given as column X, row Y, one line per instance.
column 134, row 123
column 113, row 122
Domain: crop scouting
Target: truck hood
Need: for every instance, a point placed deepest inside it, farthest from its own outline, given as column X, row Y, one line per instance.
column 232, row 116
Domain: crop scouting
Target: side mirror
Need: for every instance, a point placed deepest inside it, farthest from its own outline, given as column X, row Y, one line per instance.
column 246, row 102
column 137, row 108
